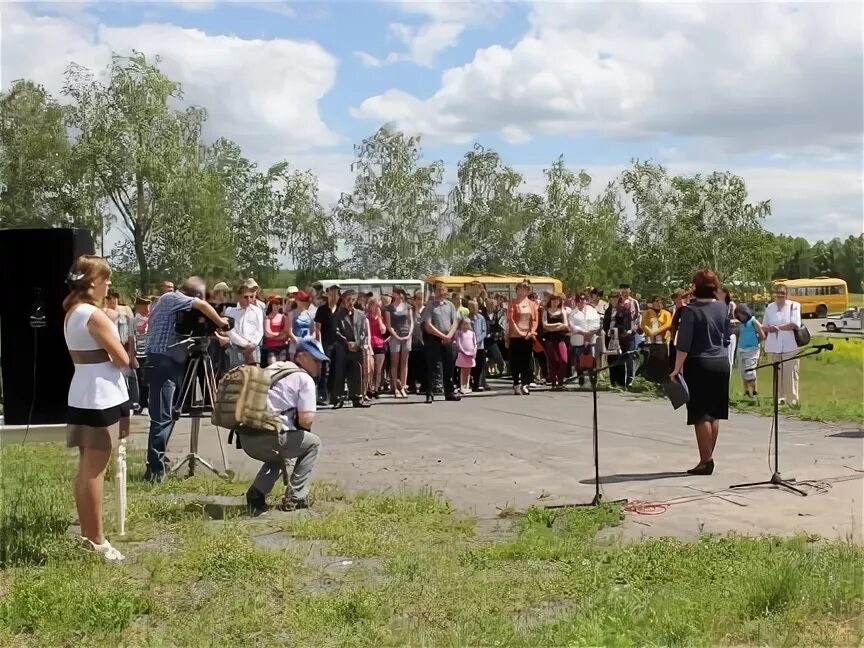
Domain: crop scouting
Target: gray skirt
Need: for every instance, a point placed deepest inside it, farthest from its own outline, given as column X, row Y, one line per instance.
column 399, row 346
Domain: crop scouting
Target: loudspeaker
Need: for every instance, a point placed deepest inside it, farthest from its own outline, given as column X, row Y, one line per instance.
column 34, row 264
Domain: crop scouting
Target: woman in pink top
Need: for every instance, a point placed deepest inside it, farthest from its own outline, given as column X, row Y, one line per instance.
column 377, row 329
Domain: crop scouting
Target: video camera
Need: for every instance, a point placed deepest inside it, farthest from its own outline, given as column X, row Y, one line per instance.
column 193, row 323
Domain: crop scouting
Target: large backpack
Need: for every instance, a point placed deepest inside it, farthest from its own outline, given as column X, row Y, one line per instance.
column 241, row 398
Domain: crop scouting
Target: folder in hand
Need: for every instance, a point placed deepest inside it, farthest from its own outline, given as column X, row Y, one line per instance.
column 676, row 391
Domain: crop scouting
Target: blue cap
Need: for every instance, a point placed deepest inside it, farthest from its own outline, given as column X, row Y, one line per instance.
column 313, row 347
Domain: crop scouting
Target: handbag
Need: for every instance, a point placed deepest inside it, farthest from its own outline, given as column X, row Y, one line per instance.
column 802, row 333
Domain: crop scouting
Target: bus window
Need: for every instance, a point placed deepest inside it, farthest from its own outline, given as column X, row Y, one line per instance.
column 838, row 290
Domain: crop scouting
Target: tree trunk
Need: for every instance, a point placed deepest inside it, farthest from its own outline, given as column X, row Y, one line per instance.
column 138, row 236
column 143, row 268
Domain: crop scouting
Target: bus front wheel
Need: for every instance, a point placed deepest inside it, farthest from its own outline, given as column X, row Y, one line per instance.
column 822, row 311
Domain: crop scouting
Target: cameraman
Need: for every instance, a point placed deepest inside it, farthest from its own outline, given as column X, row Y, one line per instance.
column 166, row 364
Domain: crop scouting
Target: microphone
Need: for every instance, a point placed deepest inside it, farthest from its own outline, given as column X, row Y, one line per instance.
column 823, row 347
column 37, row 310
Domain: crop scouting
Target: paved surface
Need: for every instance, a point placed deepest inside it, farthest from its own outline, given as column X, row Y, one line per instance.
column 495, row 451
column 815, row 327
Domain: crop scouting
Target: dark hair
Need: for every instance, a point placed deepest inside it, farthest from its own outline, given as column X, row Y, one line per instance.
column 524, row 285
column 705, row 284
column 656, row 298
column 437, row 284
column 112, row 294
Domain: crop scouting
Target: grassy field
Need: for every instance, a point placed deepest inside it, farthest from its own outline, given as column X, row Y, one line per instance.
column 395, row 570
column 856, row 299
column 831, row 385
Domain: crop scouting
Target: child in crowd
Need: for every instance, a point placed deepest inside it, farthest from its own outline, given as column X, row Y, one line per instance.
column 466, row 349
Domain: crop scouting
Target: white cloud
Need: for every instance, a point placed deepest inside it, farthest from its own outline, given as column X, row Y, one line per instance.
column 741, row 77
column 445, row 22
column 263, row 94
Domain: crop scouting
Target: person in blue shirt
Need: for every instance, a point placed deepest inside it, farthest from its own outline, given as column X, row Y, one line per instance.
column 750, row 335
column 481, row 330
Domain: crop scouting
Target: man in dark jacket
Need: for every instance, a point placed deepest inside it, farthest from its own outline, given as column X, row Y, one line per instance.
column 350, row 326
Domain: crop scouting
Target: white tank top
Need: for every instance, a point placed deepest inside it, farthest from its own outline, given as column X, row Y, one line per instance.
column 94, row 386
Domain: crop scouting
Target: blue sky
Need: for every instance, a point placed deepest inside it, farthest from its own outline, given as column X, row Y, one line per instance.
column 770, row 91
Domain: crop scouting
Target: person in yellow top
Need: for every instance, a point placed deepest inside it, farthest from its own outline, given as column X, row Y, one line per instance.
column 656, row 323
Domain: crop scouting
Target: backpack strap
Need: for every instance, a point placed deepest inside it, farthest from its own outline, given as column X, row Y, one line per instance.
column 284, row 373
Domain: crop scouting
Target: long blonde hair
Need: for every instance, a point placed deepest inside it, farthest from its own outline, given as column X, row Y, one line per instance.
column 83, row 273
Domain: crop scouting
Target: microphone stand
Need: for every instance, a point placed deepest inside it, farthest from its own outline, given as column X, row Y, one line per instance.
column 593, row 373
column 776, row 479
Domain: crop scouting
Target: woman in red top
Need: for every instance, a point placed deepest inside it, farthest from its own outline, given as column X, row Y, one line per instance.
column 275, row 334
column 377, row 329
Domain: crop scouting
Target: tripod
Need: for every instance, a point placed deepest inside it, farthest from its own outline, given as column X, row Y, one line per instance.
column 196, row 397
column 776, row 479
column 595, row 433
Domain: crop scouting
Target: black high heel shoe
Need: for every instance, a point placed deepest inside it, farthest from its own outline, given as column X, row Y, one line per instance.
column 706, row 468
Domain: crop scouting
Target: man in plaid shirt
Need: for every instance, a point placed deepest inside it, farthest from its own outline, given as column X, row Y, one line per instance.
column 166, row 364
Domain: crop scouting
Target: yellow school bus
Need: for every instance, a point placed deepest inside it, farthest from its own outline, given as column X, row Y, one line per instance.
column 472, row 284
column 818, row 296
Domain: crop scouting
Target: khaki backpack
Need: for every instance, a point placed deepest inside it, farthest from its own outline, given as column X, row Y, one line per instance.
column 241, row 398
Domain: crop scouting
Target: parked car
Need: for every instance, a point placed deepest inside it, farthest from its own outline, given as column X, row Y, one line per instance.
column 851, row 320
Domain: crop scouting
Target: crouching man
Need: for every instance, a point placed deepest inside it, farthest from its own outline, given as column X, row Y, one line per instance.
column 292, row 398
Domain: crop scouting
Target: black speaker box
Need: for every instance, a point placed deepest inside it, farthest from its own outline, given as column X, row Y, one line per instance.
column 34, row 264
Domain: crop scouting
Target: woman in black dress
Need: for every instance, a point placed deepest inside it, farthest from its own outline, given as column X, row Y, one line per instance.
column 703, row 362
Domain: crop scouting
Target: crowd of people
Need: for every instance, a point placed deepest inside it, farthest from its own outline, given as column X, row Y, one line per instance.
column 356, row 347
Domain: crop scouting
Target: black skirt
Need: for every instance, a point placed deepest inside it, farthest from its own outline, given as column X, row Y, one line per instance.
column 708, row 382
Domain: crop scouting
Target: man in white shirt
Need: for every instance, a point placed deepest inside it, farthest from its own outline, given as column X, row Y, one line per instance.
column 293, row 399
column 584, row 322
column 244, row 339
column 781, row 318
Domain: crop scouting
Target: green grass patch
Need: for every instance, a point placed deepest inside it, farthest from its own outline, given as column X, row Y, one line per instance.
column 400, row 569
column 831, row 385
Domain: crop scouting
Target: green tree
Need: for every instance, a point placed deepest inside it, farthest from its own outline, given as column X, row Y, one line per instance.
column 484, row 215
column 142, row 152
column 305, row 231
column 797, row 256
column 573, row 236
column 249, row 201
column 682, row 223
column 392, row 221
column 40, row 185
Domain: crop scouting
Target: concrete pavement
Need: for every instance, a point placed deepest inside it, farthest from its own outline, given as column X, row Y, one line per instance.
column 496, row 451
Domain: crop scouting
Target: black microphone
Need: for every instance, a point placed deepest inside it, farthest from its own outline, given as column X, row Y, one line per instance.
column 823, row 347
column 37, row 310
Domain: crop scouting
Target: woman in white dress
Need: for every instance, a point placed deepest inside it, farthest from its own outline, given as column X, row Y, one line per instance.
column 98, row 398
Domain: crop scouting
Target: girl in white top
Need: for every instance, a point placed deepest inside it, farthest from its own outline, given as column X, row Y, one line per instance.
column 98, row 399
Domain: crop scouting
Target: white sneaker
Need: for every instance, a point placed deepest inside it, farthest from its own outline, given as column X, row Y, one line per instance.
column 108, row 552
column 517, row 390
column 525, row 390
column 466, row 390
